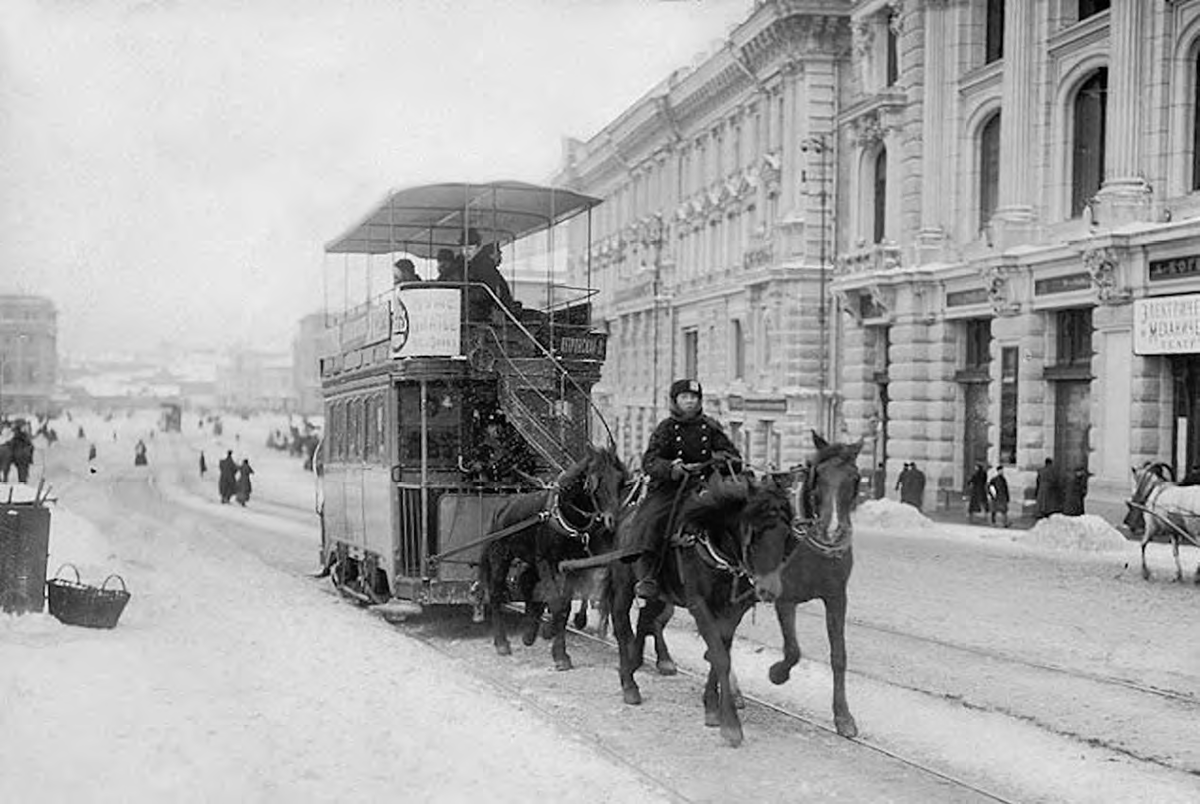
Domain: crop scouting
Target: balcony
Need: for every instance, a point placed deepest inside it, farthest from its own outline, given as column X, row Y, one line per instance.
column 874, row 258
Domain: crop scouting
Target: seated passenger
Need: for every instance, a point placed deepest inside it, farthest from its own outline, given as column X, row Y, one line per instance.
column 404, row 271
column 449, row 269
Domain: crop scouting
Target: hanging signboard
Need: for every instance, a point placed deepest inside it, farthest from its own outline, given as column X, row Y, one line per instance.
column 426, row 322
column 1166, row 325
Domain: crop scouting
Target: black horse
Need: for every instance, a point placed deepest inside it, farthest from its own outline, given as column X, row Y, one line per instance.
column 553, row 525
column 709, row 568
column 815, row 565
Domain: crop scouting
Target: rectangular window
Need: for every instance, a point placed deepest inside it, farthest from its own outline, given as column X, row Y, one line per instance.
column 979, row 343
column 739, row 350
column 1074, row 338
column 691, row 354
column 1089, row 8
column 994, row 37
column 893, row 52
column 1009, row 357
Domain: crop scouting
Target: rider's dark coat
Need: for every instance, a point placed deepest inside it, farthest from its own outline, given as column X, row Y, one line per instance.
column 691, row 439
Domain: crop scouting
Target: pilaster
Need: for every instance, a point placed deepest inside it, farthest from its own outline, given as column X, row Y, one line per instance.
column 1013, row 220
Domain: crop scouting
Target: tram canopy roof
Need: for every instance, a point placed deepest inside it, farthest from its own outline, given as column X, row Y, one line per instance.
column 420, row 220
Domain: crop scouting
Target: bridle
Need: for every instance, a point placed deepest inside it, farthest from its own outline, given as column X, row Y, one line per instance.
column 805, row 527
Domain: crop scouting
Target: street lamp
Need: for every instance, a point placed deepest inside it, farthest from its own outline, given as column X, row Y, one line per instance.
column 819, row 145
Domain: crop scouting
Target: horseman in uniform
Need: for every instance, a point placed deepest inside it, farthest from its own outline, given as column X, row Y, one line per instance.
column 688, row 444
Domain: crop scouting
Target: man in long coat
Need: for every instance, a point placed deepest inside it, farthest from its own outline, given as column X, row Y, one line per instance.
column 227, row 476
column 1048, row 490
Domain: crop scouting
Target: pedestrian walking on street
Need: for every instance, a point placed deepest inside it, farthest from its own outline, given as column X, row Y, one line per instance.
column 91, row 452
column 243, row 486
column 226, row 477
column 998, row 492
column 203, row 465
column 977, row 492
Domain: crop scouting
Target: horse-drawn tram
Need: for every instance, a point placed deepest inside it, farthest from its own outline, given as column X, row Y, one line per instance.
column 452, row 388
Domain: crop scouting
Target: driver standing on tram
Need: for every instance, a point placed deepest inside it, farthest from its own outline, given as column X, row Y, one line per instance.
column 687, row 444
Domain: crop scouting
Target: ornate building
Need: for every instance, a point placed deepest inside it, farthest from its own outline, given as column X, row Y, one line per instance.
column 1019, row 260
column 28, row 354
column 712, row 247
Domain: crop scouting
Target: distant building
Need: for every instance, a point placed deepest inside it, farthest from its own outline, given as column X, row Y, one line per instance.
column 28, row 354
column 253, row 382
column 306, row 365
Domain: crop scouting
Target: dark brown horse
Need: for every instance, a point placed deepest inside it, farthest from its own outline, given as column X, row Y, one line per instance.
column 816, row 565
column 709, row 569
column 562, row 522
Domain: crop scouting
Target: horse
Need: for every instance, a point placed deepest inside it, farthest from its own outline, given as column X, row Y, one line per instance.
column 552, row 525
column 816, row 564
column 1172, row 508
column 705, row 569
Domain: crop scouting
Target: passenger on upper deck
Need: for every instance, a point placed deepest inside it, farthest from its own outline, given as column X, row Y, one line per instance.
column 449, row 269
column 483, row 267
column 403, row 270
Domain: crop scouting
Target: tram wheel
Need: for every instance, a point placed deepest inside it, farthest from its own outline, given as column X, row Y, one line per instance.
column 376, row 587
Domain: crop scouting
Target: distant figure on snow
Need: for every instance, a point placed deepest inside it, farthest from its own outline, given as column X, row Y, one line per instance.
column 243, row 486
column 1048, row 490
column 203, row 465
column 226, row 477
column 977, row 495
column 91, row 452
column 139, row 453
column 998, row 492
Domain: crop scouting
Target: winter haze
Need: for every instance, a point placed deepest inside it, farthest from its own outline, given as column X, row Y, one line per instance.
column 172, row 169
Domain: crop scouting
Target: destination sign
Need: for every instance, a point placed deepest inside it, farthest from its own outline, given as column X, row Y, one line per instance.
column 1166, row 325
column 426, row 322
column 584, row 345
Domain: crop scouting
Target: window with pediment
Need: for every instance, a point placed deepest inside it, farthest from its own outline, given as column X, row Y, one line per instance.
column 989, row 169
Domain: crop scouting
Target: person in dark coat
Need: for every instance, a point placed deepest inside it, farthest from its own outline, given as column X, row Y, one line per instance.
column 404, row 271
column 1048, row 490
column 686, row 445
column 977, row 494
column 21, row 449
column 1075, row 492
column 998, row 493
column 483, row 267
column 203, row 465
column 242, row 485
column 901, row 479
column 914, row 493
column 226, row 477
column 139, row 453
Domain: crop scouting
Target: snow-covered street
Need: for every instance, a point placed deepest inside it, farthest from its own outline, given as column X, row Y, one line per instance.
column 232, row 678
column 993, row 656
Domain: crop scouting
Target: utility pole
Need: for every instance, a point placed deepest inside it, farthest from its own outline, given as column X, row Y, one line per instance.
column 819, row 145
column 653, row 238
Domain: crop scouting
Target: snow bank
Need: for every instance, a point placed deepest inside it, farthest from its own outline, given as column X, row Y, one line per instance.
column 890, row 515
column 75, row 540
column 1087, row 533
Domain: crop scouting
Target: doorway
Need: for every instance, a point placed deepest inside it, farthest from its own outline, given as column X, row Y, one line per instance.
column 1072, row 419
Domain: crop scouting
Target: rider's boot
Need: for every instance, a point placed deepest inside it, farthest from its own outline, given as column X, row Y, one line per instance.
column 645, row 569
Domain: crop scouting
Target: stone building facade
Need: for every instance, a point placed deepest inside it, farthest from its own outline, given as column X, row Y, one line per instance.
column 1019, row 260
column 28, row 354
column 713, row 247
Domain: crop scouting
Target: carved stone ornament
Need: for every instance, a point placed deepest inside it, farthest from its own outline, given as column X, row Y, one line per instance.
column 863, row 37
column 868, row 131
column 770, row 173
column 1101, row 265
column 999, row 290
column 847, row 304
column 883, row 298
column 896, row 17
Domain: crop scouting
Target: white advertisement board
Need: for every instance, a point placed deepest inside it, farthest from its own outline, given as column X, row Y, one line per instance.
column 426, row 322
column 1166, row 325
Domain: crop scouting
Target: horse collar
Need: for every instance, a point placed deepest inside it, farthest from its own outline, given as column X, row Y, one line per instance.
column 560, row 523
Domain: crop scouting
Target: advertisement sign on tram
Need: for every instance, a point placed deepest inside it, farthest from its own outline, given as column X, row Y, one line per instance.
column 426, row 322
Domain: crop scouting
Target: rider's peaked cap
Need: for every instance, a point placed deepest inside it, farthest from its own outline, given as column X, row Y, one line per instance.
column 680, row 386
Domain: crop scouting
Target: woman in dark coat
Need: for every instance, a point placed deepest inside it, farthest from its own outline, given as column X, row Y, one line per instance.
column 243, row 482
column 977, row 496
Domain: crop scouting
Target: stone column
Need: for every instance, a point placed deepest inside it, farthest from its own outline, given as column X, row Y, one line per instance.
column 1014, row 217
column 933, row 197
column 1125, row 196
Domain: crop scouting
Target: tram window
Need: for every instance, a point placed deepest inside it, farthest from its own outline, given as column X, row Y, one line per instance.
column 443, row 413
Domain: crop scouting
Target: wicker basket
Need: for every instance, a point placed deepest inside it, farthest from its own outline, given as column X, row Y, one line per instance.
column 76, row 603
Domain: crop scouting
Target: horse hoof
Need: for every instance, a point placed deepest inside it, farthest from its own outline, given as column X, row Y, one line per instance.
column 732, row 735
column 547, row 631
column 504, row 649
column 712, row 719
column 666, row 667
column 563, row 664
column 779, row 673
column 580, row 621
column 633, row 696
column 846, row 726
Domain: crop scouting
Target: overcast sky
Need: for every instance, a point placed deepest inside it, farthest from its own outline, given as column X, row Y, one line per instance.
column 171, row 169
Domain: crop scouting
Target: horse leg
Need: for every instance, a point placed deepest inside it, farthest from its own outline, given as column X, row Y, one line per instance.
column 1145, row 541
column 1175, row 553
column 494, row 571
column 618, row 600
column 663, row 662
column 719, row 708
column 835, row 627
column 558, row 624
column 533, row 621
column 782, row 669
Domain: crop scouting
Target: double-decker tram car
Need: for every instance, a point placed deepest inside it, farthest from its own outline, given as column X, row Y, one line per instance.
column 464, row 379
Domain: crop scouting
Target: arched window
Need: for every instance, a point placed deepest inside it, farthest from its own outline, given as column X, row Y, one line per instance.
column 989, row 169
column 993, row 46
column 1196, row 122
column 1088, row 8
column 879, row 199
column 1087, row 148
